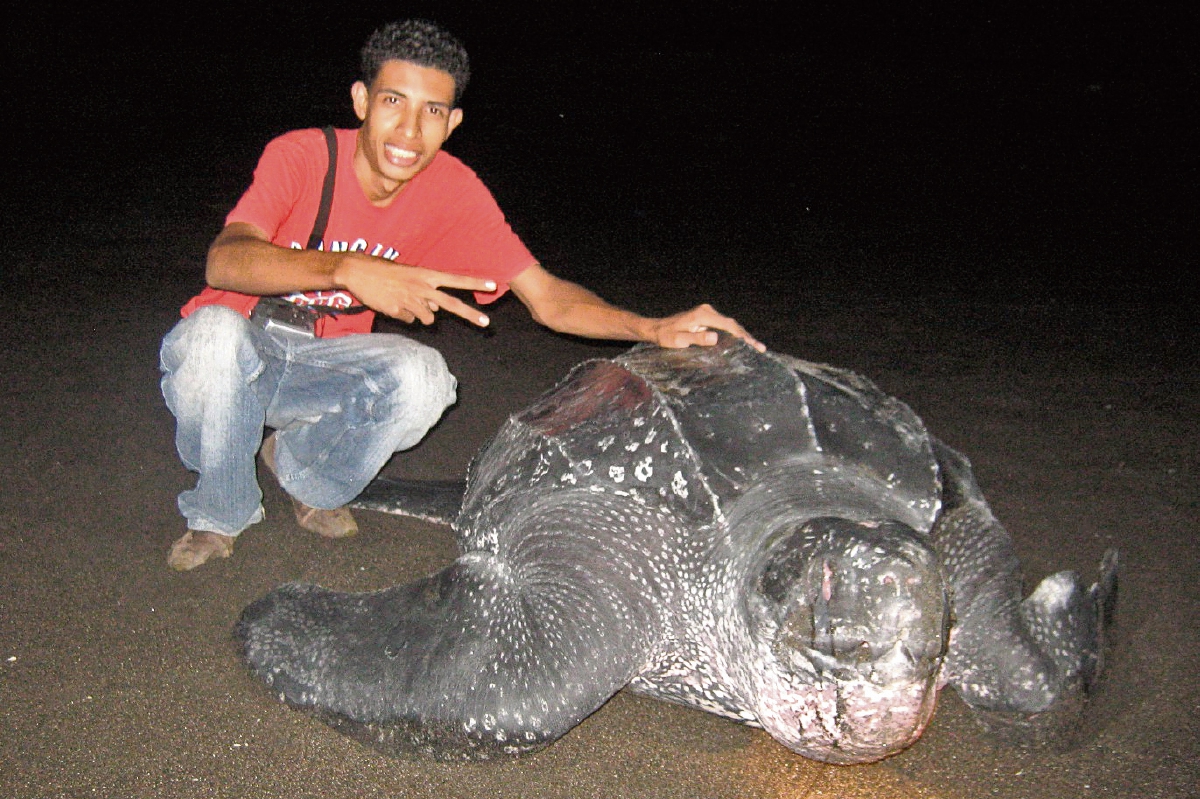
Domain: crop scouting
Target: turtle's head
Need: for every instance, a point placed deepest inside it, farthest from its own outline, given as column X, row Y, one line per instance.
column 851, row 622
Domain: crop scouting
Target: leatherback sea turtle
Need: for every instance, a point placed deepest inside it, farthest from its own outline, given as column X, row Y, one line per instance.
column 767, row 539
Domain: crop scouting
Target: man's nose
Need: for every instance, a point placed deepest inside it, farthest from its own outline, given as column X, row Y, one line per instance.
column 410, row 125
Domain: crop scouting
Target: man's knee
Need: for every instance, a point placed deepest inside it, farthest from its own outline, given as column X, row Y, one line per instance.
column 419, row 384
column 428, row 379
column 212, row 340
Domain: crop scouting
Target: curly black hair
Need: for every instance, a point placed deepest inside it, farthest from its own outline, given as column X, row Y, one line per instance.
column 419, row 42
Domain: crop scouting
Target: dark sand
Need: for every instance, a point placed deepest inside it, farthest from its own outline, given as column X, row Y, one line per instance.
column 1005, row 251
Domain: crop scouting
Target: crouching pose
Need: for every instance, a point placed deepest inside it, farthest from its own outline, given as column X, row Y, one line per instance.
column 334, row 229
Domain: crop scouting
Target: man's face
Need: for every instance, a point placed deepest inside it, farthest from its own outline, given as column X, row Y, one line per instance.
column 407, row 113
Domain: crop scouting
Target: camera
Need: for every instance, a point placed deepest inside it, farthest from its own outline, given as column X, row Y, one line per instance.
column 275, row 314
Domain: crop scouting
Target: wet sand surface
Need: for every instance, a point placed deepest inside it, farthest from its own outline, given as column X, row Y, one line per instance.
column 1006, row 252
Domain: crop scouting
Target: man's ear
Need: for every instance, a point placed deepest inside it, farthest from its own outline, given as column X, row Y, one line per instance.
column 361, row 98
column 456, row 117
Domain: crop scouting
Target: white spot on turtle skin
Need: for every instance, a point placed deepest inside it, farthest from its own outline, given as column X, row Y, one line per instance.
column 632, row 446
column 644, row 470
column 568, row 478
column 1054, row 593
column 604, row 443
column 679, row 485
column 616, row 473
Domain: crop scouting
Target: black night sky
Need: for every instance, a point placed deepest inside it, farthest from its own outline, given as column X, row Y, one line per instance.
column 854, row 143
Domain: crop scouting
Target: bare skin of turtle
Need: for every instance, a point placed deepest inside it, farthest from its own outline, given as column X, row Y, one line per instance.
column 746, row 533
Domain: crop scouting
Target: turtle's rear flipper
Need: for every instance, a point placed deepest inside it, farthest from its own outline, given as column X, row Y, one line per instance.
column 435, row 501
column 1026, row 667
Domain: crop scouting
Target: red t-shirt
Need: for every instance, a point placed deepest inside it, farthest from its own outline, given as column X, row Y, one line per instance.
column 444, row 219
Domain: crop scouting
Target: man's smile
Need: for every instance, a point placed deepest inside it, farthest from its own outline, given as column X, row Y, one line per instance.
column 400, row 156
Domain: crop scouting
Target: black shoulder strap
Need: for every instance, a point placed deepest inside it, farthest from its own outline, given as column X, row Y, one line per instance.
column 318, row 231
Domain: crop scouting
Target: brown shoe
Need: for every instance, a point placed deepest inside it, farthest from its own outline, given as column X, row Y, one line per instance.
column 196, row 548
column 336, row 523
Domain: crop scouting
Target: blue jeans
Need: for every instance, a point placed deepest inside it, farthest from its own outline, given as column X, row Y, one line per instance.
column 341, row 407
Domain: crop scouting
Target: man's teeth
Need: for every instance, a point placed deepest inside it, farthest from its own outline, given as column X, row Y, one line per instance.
column 399, row 153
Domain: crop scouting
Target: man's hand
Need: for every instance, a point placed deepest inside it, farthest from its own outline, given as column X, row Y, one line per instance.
column 410, row 293
column 243, row 259
column 698, row 326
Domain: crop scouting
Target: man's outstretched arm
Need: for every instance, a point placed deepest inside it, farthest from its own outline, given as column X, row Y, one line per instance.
column 567, row 307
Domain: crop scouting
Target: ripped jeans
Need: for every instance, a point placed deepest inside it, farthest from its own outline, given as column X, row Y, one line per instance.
column 341, row 407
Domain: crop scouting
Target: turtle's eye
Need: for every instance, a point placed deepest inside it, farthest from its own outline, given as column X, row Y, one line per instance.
column 784, row 566
column 797, row 630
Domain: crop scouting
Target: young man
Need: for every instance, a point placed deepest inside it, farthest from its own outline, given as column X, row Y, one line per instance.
column 407, row 222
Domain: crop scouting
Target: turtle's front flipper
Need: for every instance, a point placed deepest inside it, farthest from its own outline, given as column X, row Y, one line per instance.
column 435, row 501
column 1025, row 667
column 499, row 653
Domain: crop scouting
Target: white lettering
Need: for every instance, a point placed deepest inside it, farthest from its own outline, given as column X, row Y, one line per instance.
column 359, row 245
